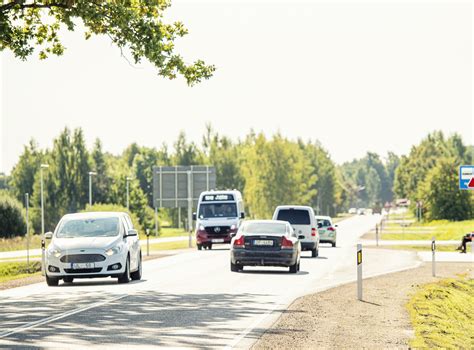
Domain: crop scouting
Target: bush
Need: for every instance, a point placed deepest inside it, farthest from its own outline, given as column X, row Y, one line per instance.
column 441, row 195
column 12, row 220
column 117, row 208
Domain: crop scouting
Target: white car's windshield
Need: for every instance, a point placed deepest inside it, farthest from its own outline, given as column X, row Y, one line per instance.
column 218, row 210
column 93, row 227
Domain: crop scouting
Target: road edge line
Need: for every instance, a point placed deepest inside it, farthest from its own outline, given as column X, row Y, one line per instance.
column 250, row 328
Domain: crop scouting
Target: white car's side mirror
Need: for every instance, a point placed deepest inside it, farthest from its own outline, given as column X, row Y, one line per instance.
column 48, row 235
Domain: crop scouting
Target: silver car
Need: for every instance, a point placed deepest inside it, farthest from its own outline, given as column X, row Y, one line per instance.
column 327, row 231
column 96, row 244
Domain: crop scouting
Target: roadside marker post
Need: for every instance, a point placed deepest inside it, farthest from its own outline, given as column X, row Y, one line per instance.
column 377, row 234
column 433, row 258
column 27, row 206
column 147, row 242
column 359, row 271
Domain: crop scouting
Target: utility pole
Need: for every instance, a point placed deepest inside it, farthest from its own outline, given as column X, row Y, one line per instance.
column 128, row 193
column 42, row 166
column 90, row 186
column 27, row 206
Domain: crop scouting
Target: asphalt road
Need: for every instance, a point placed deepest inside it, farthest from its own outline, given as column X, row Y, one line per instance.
column 187, row 300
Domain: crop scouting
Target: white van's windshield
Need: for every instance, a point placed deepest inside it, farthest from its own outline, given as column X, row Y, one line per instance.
column 217, row 210
column 100, row 227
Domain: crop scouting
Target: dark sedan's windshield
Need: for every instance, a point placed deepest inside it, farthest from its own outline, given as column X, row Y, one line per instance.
column 218, row 210
column 100, row 227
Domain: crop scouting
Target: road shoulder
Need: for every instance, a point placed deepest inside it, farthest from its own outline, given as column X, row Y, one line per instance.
column 335, row 319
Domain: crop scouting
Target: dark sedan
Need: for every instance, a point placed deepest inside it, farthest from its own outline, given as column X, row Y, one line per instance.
column 265, row 243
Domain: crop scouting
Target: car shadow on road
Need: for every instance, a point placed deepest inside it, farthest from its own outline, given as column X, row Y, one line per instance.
column 88, row 282
column 148, row 318
column 274, row 272
column 317, row 258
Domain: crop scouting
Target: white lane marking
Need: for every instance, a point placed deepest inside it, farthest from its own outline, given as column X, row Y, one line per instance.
column 58, row 317
column 251, row 327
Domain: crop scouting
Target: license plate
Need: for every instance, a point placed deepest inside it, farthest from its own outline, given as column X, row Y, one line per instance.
column 218, row 240
column 266, row 242
column 77, row 266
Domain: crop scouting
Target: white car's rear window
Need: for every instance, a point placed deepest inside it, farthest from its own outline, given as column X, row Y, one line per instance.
column 294, row 216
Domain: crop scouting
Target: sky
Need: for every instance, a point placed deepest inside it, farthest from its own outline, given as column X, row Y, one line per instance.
column 357, row 76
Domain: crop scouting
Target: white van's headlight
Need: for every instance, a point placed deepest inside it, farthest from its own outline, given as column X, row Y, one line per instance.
column 201, row 228
column 55, row 252
column 233, row 227
column 113, row 251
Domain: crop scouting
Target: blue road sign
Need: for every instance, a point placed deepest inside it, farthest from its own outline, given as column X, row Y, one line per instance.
column 466, row 177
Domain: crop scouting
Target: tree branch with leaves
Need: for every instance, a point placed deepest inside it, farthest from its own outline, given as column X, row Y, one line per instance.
column 134, row 25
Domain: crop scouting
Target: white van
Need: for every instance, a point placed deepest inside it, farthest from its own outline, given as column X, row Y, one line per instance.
column 303, row 221
column 218, row 217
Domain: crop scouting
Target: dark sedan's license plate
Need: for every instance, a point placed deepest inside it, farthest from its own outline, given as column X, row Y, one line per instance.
column 263, row 242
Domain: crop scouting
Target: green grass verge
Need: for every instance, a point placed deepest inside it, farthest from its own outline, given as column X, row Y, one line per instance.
column 442, row 230
column 168, row 246
column 422, row 248
column 172, row 232
column 442, row 315
column 19, row 243
column 14, row 270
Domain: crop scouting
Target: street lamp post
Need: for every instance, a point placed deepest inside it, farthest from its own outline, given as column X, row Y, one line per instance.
column 90, row 186
column 42, row 166
column 128, row 192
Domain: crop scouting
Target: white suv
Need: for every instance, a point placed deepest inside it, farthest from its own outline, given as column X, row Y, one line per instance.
column 302, row 219
column 95, row 244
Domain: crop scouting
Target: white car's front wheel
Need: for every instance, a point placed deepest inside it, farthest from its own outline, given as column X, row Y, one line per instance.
column 125, row 278
column 137, row 275
column 52, row 281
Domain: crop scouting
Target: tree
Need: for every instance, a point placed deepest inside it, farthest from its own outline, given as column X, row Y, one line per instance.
column 66, row 181
column 12, row 220
column 441, row 195
column 414, row 169
column 23, row 174
column 275, row 172
column 102, row 180
column 136, row 26
column 222, row 153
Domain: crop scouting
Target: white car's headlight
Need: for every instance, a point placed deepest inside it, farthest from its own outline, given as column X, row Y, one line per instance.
column 55, row 252
column 233, row 227
column 113, row 251
column 201, row 228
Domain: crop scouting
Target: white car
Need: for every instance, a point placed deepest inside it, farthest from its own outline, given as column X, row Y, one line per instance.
column 327, row 231
column 303, row 221
column 95, row 244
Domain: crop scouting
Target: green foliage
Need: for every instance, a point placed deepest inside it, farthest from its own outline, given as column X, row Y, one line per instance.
column 368, row 181
column 66, row 180
column 441, row 195
column 23, row 174
column 136, row 26
column 117, row 208
column 226, row 157
column 441, row 314
column 429, row 173
column 12, row 220
column 276, row 172
column 101, row 182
